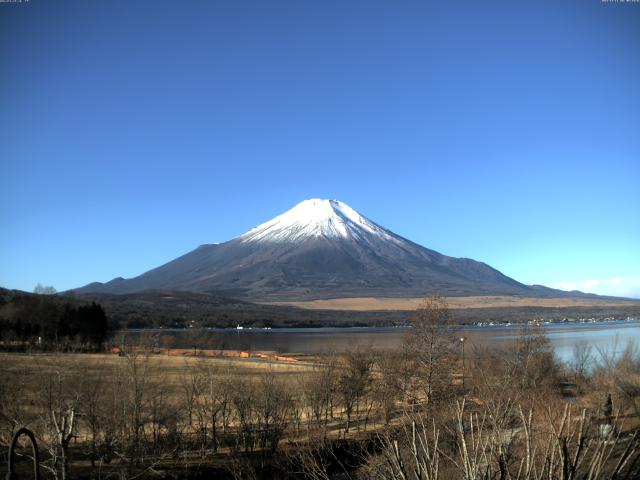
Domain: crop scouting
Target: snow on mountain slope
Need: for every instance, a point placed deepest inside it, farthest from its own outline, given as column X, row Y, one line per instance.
column 316, row 218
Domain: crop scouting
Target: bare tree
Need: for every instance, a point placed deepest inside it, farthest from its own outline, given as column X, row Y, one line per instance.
column 272, row 407
column 191, row 389
column 390, row 384
column 44, row 289
column 581, row 362
column 243, row 396
column 93, row 412
column 620, row 374
column 531, row 364
column 319, row 459
column 354, row 380
column 320, row 387
column 59, row 404
column 14, row 411
column 431, row 346
column 129, row 397
column 523, row 448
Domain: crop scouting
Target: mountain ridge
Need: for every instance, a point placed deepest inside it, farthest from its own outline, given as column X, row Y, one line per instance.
column 320, row 249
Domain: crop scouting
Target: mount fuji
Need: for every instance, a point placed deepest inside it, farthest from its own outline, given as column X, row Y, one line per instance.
column 317, row 250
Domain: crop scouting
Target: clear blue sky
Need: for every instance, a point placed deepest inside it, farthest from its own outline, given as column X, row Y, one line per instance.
column 133, row 131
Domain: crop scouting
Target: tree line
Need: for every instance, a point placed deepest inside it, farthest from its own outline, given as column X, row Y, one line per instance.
column 47, row 321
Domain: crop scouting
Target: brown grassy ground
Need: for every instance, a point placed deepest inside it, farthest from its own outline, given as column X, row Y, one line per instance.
column 382, row 304
column 171, row 374
column 169, row 366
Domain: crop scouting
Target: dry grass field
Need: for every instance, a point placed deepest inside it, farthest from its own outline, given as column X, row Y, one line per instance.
column 171, row 369
column 327, row 417
column 409, row 304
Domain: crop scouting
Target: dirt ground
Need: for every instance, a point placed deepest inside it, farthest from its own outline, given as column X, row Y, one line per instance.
column 381, row 304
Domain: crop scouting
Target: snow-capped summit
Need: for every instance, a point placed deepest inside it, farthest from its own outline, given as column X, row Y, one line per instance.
column 316, row 218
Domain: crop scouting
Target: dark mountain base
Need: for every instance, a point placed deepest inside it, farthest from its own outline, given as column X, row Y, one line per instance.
column 160, row 309
column 182, row 310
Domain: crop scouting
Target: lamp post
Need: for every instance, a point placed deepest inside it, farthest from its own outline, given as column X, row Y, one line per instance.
column 462, row 345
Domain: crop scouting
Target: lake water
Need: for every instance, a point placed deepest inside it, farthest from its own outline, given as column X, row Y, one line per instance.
column 609, row 337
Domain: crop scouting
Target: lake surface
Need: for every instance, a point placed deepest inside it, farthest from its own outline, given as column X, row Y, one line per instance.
column 609, row 337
